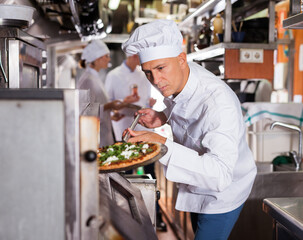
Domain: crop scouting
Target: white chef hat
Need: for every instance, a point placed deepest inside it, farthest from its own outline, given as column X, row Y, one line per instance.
column 94, row 50
column 155, row 40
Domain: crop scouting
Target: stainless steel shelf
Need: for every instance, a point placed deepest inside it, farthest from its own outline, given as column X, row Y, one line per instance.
column 115, row 38
column 219, row 49
column 294, row 22
column 201, row 9
column 204, row 9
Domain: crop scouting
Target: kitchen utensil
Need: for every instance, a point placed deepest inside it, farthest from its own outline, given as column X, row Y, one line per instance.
column 2, row 70
column 132, row 126
column 234, row 26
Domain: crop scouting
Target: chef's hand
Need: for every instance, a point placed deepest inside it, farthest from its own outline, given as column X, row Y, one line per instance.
column 131, row 99
column 114, row 105
column 144, row 136
column 151, row 118
column 117, row 116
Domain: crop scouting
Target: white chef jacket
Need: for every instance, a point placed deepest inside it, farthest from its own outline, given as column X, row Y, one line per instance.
column 90, row 80
column 209, row 158
column 118, row 84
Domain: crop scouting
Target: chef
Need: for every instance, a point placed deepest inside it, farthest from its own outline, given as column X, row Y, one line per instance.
column 95, row 57
column 209, row 157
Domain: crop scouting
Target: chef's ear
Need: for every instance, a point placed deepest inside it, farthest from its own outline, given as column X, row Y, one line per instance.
column 182, row 59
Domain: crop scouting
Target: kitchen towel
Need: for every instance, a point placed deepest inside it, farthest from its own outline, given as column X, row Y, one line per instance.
column 291, row 113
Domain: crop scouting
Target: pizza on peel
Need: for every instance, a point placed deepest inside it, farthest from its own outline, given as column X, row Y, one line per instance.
column 122, row 155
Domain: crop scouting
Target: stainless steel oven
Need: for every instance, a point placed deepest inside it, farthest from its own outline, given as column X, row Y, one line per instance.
column 49, row 182
column 22, row 59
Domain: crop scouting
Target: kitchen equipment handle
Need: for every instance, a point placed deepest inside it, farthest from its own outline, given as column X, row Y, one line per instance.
column 132, row 126
column 2, row 70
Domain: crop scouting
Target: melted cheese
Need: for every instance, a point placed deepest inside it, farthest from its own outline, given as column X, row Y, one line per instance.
column 145, row 146
column 127, row 154
column 111, row 158
column 129, row 147
column 110, row 149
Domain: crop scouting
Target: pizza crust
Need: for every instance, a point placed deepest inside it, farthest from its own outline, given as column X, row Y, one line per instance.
column 134, row 161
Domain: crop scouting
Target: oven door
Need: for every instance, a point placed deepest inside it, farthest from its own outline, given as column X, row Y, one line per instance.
column 25, row 65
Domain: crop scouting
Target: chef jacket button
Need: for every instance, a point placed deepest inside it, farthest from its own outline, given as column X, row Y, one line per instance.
column 184, row 127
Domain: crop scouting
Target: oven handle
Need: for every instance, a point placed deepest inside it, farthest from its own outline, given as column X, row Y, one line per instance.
column 2, row 70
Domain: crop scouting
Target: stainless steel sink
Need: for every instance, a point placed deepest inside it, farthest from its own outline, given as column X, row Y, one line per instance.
column 264, row 167
column 268, row 167
column 286, row 167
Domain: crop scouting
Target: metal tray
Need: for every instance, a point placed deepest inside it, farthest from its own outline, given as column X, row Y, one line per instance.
column 162, row 152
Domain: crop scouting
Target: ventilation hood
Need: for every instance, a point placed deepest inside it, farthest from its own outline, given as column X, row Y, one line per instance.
column 57, row 20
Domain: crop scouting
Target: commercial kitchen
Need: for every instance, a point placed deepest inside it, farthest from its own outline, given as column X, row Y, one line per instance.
column 50, row 184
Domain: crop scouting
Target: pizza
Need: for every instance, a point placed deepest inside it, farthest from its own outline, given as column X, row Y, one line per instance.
column 122, row 155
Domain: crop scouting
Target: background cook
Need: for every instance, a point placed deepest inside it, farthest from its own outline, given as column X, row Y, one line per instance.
column 209, row 156
column 95, row 57
column 119, row 83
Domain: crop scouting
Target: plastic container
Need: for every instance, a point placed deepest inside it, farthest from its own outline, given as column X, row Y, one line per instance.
column 217, row 26
column 238, row 36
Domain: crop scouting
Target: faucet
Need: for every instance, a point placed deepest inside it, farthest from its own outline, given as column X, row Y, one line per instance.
column 296, row 157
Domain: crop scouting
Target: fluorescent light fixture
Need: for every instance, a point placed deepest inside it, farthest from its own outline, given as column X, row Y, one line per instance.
column 113, row 4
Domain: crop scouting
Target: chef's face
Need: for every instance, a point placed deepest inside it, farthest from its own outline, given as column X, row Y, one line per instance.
column 102, row 62
column 168, row 75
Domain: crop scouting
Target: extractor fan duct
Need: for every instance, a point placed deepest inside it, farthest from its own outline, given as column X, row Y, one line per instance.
column 91, row 18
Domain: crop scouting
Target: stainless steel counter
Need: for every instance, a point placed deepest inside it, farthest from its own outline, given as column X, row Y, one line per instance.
column 288, row 212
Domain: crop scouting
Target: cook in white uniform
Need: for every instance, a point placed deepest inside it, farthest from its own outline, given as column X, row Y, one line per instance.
column 209, row 157
column 96, row 56
column 118, row 84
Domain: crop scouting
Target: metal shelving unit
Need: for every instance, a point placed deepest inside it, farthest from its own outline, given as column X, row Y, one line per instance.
column 207, row 8
column 212, row 7
column 295, row 20
column 219, row 49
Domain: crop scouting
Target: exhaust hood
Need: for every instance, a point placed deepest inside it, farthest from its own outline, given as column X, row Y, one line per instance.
column 56, row 20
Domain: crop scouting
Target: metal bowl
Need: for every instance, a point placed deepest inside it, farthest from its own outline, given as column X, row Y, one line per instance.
column 16, row 15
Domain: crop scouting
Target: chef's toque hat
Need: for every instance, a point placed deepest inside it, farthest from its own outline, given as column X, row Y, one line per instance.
column 94, row 50
column 155, row 40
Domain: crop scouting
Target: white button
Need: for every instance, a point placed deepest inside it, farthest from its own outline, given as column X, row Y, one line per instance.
column 184, row 127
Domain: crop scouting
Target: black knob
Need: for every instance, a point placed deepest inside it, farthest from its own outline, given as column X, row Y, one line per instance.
column 90, row 156
column 158, row 194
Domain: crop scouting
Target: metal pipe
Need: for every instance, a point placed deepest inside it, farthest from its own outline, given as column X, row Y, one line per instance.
column 227, row 20
column 297, row 159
